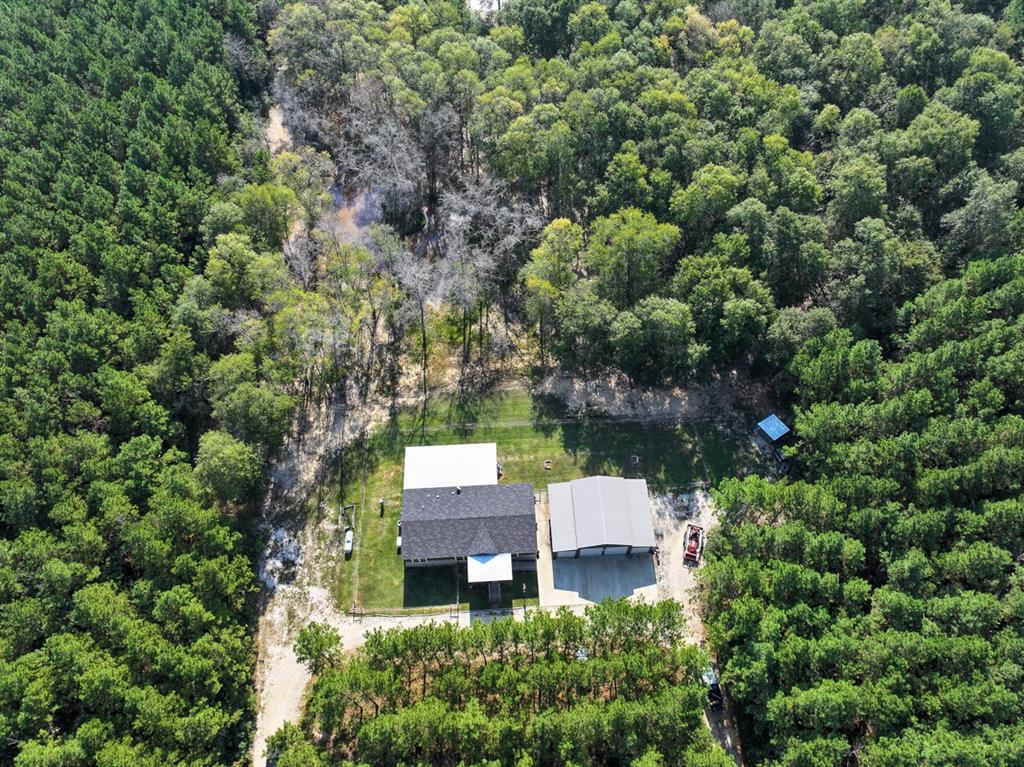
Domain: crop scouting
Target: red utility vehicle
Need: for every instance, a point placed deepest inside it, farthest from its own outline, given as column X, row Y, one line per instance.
column 694, row 544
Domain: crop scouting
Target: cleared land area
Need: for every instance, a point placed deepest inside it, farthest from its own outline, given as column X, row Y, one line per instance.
column 311, row 579
column 529, row 431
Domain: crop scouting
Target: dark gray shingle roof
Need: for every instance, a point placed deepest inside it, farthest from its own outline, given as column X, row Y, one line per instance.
column 482, row 519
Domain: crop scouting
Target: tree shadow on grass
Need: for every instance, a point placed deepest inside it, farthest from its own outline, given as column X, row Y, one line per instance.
column 469, row 405
column 548, row 413
column 430, row 586
column 665, row 455
column 364, row 455
column 447, row 585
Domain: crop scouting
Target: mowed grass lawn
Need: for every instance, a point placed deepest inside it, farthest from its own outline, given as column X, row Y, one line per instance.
column 528, row 431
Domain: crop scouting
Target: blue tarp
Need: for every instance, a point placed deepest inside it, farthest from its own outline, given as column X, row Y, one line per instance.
column 773, row 427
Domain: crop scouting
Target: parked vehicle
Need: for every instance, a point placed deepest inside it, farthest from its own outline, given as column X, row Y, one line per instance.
column 350, row 539
column 694, row 544
column 715, row 697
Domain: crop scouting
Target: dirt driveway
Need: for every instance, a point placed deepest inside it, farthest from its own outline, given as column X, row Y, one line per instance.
column 677, row 580
column 284, row 679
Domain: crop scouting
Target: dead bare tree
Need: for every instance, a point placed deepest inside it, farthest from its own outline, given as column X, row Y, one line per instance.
column 379, row 152
column 419, row 279
column 440, row 136
column 303, row 254
column 467, row 271
column 493, row 219
column 302, row 115
column 486, row 229
column 243, row 60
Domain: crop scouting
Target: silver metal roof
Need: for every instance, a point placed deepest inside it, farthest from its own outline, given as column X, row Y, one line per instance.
column 563, row 521
column 600, row 511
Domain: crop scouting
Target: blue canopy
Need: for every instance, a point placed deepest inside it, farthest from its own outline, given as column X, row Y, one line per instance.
column 773, row 427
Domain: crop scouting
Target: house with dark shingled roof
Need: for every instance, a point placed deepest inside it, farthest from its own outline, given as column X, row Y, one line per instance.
column 486, row 525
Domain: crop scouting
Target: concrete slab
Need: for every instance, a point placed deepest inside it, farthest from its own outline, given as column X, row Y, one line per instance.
column 595, row 578
column 588, row 580
column 545, row 577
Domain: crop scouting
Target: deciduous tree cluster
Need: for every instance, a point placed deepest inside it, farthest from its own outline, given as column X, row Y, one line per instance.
column 797, row 154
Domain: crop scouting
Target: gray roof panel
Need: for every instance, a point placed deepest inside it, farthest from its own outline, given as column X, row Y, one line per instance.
column 617, row 511
column 641, row 526
column 588, row 512
column 600, row 511
column 563, row 522
column 466, row 502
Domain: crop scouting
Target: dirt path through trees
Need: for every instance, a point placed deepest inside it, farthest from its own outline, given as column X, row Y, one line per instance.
column 294, row 562
column 278, row 137
column 678, row 581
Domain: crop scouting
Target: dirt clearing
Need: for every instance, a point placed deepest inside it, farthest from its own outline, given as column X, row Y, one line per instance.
column 678, row 580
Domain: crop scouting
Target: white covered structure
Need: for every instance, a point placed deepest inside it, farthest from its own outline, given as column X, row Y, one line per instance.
column 600, row 516
column 451, row 465
column 489, row 568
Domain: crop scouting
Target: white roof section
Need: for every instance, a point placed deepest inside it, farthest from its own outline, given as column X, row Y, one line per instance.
column 563, row 521
column 486, row 568
column 600, row 511
column 428, row 466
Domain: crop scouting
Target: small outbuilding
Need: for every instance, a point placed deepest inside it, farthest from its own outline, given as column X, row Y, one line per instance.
column 600, row 516
column 773, row 428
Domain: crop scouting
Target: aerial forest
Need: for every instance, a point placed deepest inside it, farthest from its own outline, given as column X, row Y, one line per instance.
column 873, row 611
column 820, row 196
column 132, row 434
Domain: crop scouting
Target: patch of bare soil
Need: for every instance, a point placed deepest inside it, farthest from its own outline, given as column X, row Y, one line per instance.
column 284, row 680
column 298, row 556
column 678, row 580
column 278, row 137
column 613, row 395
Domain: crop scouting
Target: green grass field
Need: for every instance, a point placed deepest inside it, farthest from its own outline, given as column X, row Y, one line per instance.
column 528, row 431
